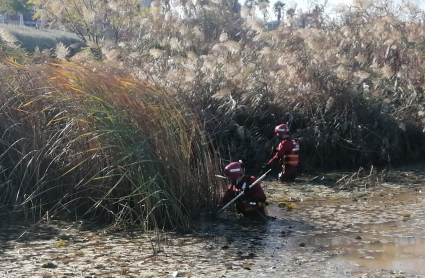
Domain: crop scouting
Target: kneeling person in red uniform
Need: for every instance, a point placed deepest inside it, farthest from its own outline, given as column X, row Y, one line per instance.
column 286, row 155
column 253, row 202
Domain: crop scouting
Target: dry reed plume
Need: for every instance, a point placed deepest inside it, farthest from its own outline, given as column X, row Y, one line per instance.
column 351, row 88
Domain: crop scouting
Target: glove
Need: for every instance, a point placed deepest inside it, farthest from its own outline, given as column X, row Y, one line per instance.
column 247, row 190
column 265, row 168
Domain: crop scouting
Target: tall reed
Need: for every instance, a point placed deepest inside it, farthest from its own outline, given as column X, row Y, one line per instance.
column 77, row 141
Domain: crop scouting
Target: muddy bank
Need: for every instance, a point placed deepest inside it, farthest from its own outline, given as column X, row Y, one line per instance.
column 320, row 226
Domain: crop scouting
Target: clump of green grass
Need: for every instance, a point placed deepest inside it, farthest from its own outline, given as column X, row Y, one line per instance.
column 31, row 39
column 90, row 143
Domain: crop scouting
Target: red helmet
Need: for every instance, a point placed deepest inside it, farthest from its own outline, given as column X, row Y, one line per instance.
column 233, row 171
column 282, row 130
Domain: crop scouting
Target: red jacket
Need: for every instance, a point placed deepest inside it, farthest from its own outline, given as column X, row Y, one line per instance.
column 255, row 193
column 287, row 153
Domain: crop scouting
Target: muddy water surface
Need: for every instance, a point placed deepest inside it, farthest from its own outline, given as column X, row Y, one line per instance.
column 313, row 230
column 394, row 245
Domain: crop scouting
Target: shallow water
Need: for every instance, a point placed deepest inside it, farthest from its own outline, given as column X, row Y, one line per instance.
column 407, row 255
column 376, row 233
column 394, row 245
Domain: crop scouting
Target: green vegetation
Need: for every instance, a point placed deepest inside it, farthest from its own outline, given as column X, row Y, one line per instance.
column 31, row 39
column 15, row 6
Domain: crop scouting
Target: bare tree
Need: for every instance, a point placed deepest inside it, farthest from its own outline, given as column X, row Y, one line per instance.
column 91, row 20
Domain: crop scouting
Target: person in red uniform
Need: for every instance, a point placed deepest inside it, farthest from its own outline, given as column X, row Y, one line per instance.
column 253, row 202
column 286, row 155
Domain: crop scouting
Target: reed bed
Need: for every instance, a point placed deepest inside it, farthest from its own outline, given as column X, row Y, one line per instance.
column 351, row 86
column 77, row 142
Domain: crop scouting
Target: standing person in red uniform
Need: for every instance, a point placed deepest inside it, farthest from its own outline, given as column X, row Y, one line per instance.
column 286, row 155
column 253, row 202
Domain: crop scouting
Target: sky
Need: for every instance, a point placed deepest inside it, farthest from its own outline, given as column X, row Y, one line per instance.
column 331, row 4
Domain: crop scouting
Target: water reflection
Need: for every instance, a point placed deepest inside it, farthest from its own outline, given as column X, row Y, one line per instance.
column 393, row 246
column 329, row 241
column 407, row 254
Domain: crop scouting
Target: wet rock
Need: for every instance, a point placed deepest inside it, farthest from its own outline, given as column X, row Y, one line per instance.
column 48, row 265
column 64, row 237
column 228, row 266
column 369, row 257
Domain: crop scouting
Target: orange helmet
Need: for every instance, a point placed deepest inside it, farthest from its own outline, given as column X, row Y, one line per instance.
column 233, row 171
column 282, row 130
